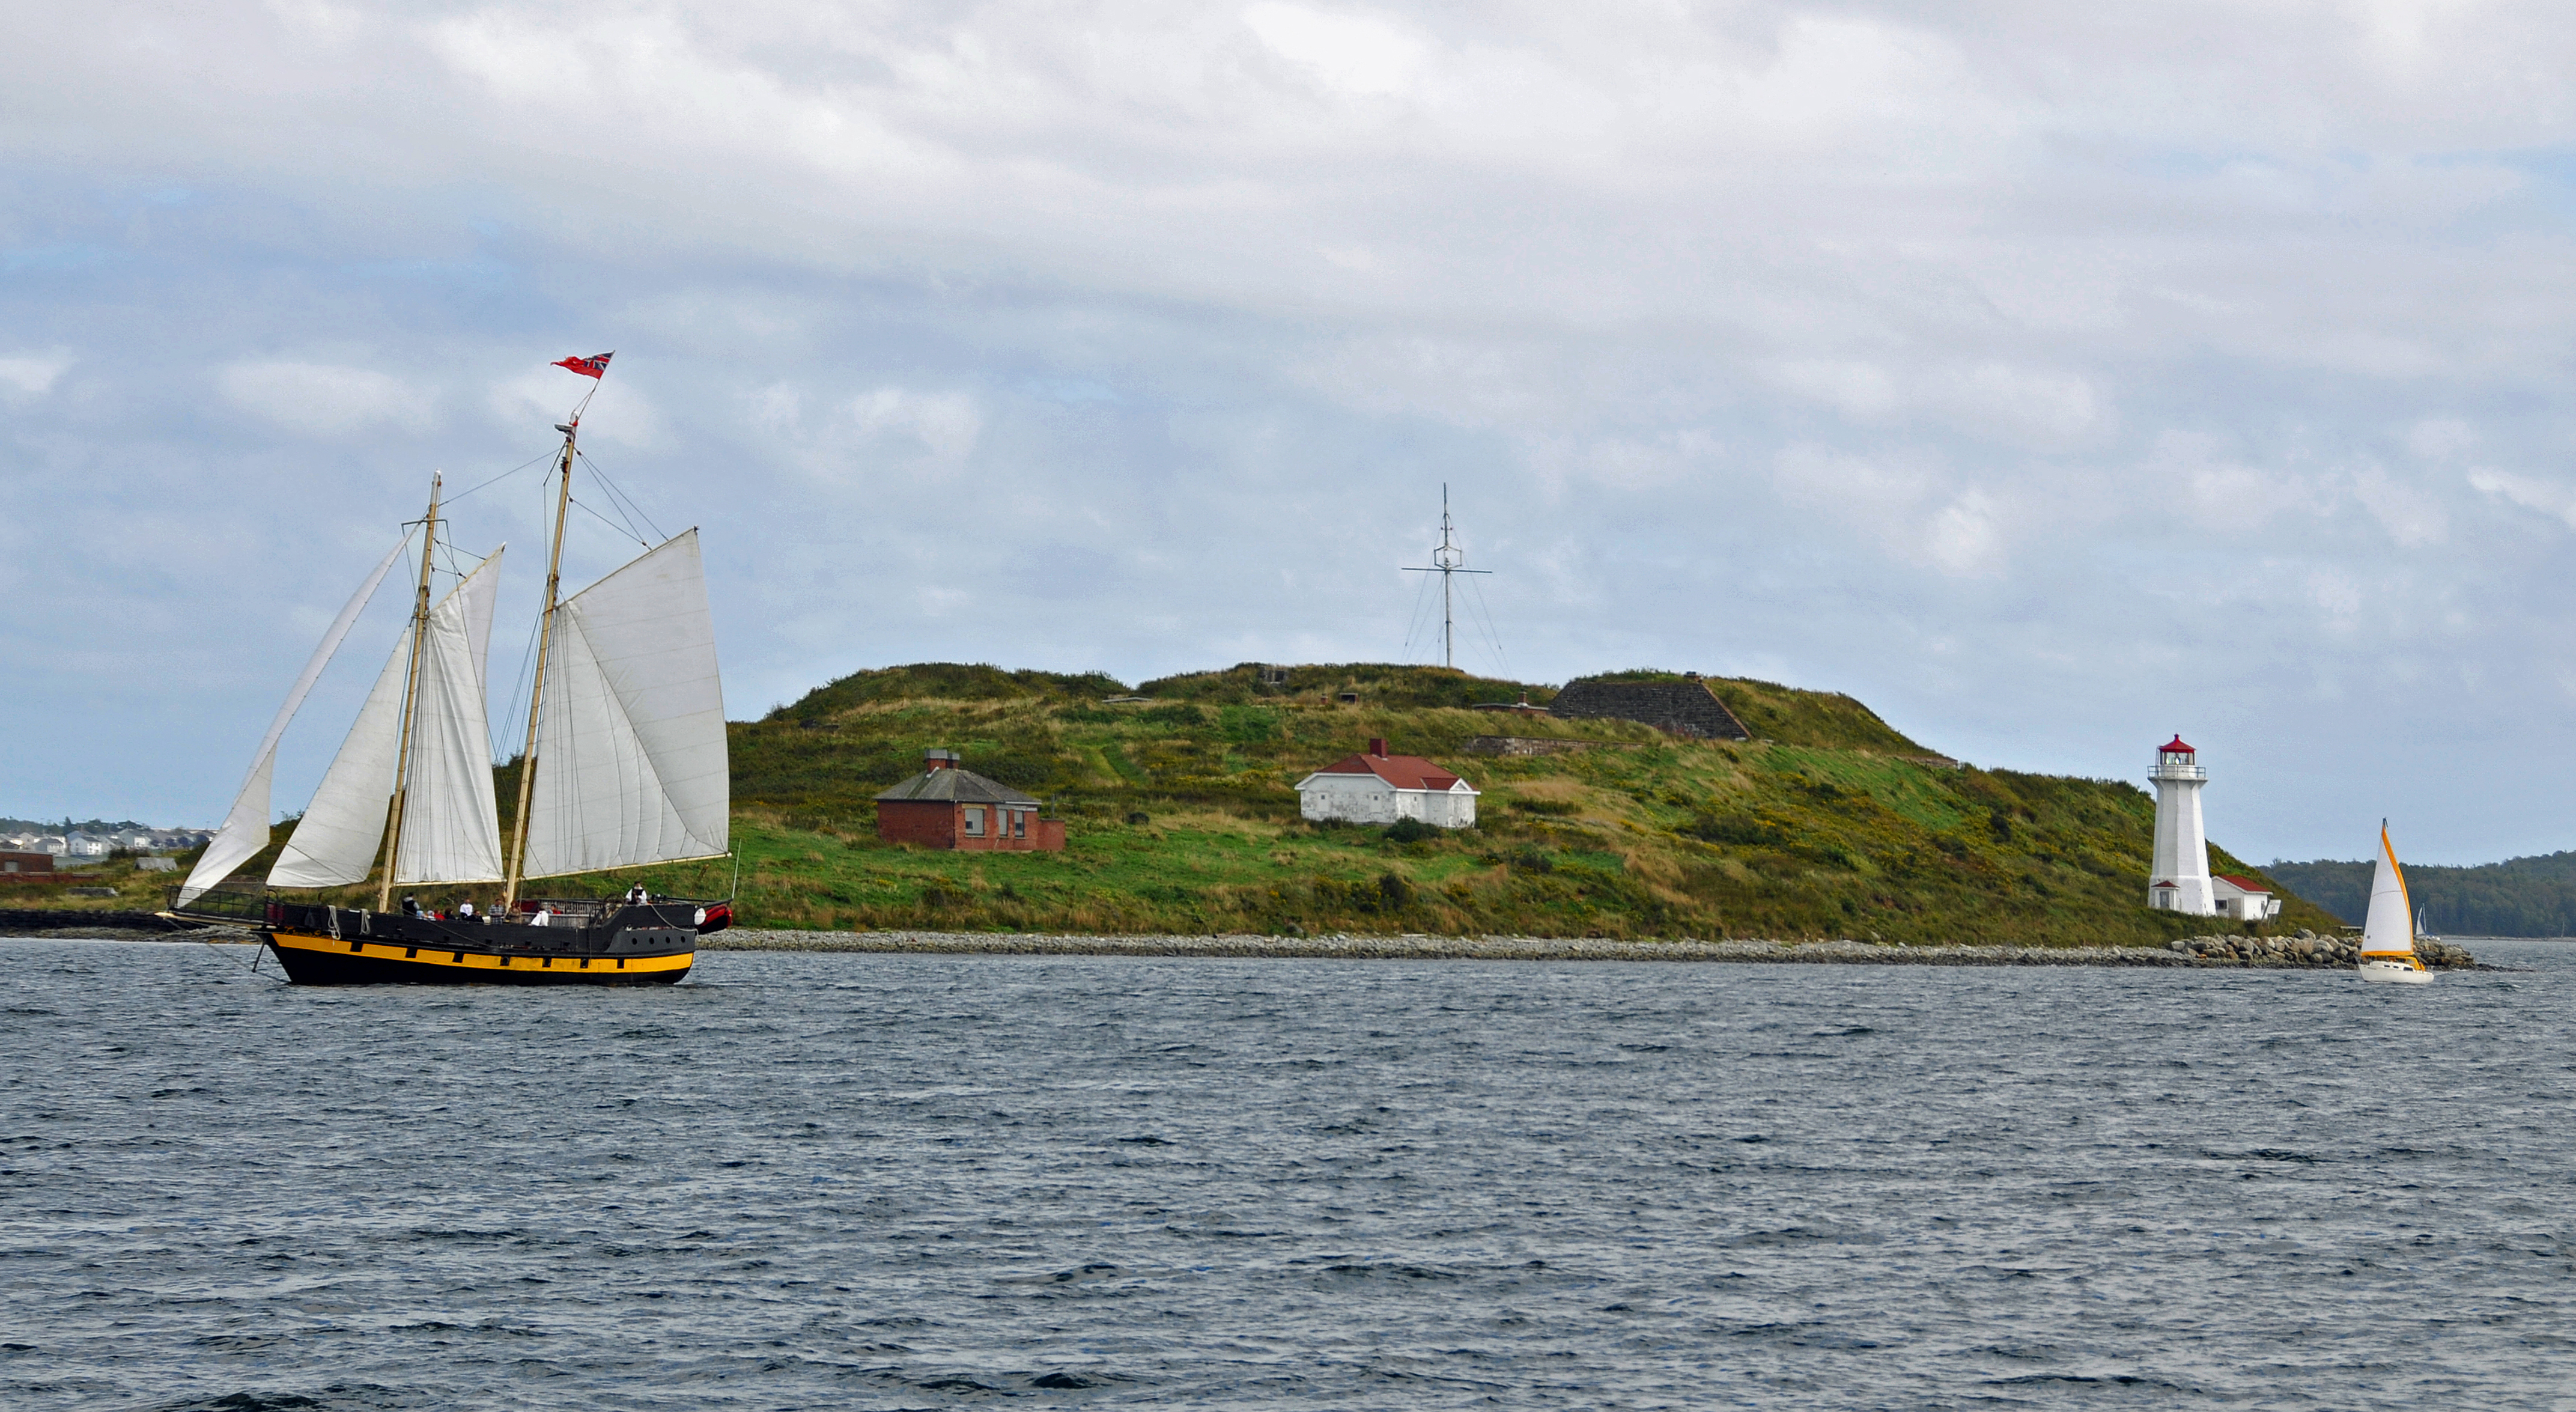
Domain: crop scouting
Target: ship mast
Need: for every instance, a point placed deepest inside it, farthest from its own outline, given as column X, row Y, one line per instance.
column 411, row 699
column 545, row 637
column 1447, row 560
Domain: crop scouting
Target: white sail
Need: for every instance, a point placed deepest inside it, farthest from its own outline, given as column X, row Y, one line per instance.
column 342, row 832
column 631, row 761
column 337, row 839
column 451, row 828
column 2389, row 930
column 245, row 829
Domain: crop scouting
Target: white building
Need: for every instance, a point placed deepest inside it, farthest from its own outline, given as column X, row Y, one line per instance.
column 2243, row 898
column 1378, row 788
column 2180, row 881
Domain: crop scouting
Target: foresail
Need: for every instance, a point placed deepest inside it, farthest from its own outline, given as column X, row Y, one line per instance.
column 2389, row 929
column 337, row 839
column 631, row 764
column 451, row 825
column 245, row 828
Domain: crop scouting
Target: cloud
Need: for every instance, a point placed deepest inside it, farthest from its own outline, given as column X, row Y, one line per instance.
column 2529, row 492
column 1942, row 347
column 1909, row 507
column 1352, row 52
column 31, row 375
column 2411, row 516
column 325, row 399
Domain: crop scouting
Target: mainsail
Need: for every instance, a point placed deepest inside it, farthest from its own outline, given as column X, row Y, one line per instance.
column 245, row 829
column 451, row 824
column 2389, row 929
column 630, row 745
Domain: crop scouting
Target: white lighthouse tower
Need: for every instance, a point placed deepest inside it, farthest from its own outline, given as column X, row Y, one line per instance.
column 2180, row 882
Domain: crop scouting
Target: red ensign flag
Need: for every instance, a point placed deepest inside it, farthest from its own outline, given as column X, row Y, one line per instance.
column 596, row 365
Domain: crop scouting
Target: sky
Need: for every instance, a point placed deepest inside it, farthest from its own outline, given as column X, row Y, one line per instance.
column 2052, row 378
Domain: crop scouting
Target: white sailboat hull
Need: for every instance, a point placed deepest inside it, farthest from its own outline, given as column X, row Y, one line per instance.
column 2394, row 973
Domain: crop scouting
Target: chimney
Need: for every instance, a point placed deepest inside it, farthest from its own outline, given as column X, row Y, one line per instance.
column 939, row 759
column 1377, row 746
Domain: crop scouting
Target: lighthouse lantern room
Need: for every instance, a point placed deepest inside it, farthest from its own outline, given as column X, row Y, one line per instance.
column 2180, row 882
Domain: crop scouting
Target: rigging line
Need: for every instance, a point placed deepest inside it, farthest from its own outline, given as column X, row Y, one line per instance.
column 620, row 493
column 519, row 686
column 1413, row 624
column 1493, row 634
column 612, row 524
column 505, row 475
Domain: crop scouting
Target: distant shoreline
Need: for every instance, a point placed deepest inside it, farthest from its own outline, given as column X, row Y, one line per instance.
column 1487, row 948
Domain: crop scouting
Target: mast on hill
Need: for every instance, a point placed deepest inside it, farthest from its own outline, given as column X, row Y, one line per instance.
column 1447, row 560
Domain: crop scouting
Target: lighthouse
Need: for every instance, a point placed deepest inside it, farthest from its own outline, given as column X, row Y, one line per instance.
column 2180, row 882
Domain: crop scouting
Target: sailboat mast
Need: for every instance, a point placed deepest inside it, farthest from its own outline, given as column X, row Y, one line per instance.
column 411, row 698
column 537, row 688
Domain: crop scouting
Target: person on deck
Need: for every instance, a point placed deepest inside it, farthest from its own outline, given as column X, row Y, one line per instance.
column 411, row 905
column 465, row 910
column 636, row 896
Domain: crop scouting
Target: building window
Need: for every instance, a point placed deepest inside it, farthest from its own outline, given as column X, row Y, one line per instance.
column 1019, row 823
column 974, row 821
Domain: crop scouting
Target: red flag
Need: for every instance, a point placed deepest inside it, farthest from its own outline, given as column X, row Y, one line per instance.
column 596, row 365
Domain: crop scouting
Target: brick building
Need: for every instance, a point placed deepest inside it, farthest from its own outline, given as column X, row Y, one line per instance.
column 946, row 807
column 28, row 868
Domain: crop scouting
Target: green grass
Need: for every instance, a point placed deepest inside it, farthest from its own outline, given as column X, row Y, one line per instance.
column 1832, row 826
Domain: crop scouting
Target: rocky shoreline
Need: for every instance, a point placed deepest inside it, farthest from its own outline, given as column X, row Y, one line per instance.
column 2198, row 952
column 2307, row 948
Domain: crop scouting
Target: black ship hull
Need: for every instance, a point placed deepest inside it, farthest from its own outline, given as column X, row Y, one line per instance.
column 325, row 960
column 578, row 943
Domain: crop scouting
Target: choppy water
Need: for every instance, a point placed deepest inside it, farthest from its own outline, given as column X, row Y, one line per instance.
column 872, row 1181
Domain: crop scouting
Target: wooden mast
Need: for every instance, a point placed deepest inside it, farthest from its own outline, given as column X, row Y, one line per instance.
column 411, row 698
column 537, row 688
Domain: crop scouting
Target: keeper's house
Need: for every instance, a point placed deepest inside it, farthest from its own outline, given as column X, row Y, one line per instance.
column 1378, row 788
column 2243, row 898
column 946, row 807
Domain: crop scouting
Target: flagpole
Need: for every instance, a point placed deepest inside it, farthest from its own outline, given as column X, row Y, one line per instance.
column 596, row 369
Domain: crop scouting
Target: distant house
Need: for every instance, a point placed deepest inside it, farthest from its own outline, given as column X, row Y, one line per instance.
column 1684, row 708
column 2243, row 898
column 1378, row 788
column 946, row 807
column 28, row 867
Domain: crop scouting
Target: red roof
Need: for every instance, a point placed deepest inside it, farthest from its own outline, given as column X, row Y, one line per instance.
column 1402, row 771
column 2171, row 746
column 2245, row 883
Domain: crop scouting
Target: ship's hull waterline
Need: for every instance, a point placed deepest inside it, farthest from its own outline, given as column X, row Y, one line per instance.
column 654, row 942
column 2395, row 973
column 325, row 960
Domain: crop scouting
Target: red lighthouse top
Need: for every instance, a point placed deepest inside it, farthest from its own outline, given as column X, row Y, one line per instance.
column 2175, row 747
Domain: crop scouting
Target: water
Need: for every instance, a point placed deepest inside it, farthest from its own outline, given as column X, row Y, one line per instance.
column 873, row 1182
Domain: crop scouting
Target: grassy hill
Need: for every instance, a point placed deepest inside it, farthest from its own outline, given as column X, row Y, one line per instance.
column 2518, row 897
column 1183, row 818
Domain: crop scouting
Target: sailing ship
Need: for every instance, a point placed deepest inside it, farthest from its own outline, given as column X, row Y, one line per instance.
column 2388, row 932
column 625, row 765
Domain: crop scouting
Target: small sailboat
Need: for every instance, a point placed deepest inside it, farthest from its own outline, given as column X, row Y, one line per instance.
column 625, row 765
column 2388, row 932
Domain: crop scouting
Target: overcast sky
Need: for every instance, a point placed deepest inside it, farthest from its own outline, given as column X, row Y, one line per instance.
column 2051, row 377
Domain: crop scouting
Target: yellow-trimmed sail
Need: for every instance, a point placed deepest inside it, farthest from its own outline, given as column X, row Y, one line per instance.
column 2388, row 933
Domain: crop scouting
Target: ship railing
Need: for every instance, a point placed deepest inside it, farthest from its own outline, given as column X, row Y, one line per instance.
column 222, row 904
